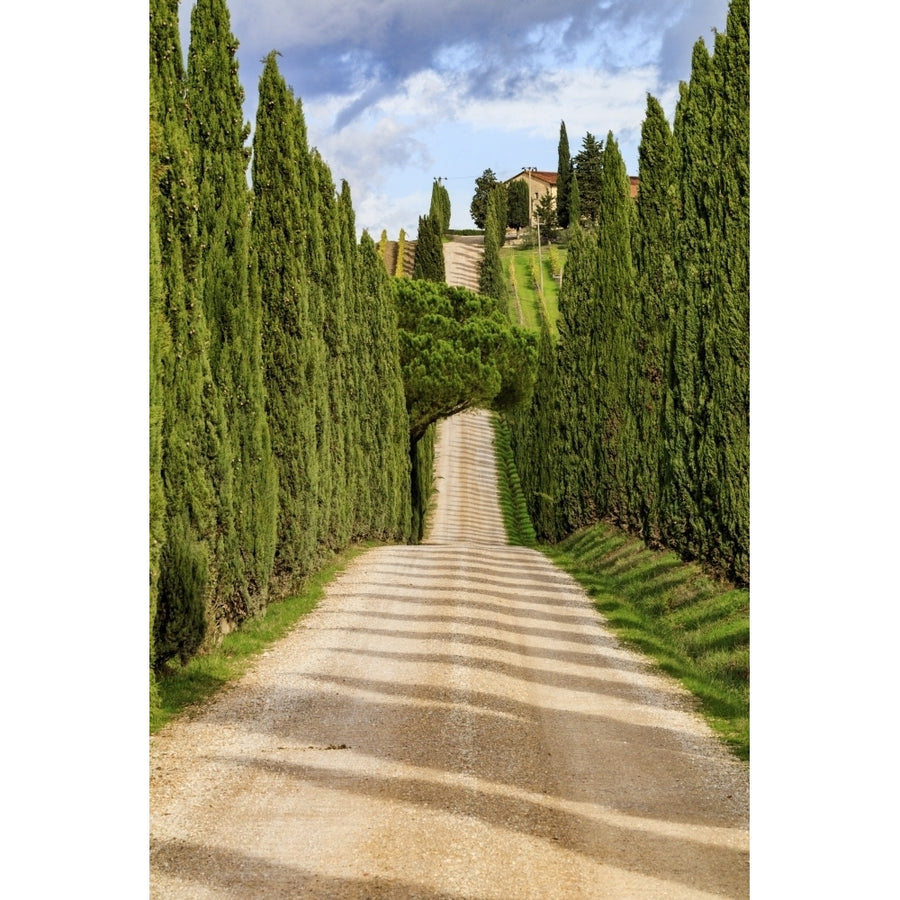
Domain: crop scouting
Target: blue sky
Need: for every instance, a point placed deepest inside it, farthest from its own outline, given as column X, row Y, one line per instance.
column 397, row 93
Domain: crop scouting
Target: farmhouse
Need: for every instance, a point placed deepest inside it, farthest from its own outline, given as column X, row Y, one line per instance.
column 540, row 182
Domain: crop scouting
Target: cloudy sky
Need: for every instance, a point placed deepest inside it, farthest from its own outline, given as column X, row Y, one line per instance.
column 399, row 92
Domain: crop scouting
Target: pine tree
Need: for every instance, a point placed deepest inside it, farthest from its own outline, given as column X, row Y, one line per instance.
column 564, row 171
column 278, row 236
column 219, row 134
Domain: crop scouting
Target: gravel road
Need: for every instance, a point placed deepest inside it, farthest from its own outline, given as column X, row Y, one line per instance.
column 452, row 721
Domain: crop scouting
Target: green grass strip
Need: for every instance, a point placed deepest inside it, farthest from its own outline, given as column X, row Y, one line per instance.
column 695, row 628
column 204, row 675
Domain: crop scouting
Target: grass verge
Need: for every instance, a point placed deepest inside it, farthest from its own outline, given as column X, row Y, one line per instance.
column 519, row 530
column 204, row 675
column 697, row 629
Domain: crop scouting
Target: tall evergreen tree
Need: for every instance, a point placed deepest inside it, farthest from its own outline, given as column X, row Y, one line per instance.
column 219, row 134
column 278, row 235
column 429, row 259
column 656, row 301
column 577, row 367
column 196, row 454
column 483, row 185
column 160, row 343
column 588, row 166
column 575, row 202
column 613, row 333
column 440, row 205
column 564, row 170
column 517, row 205
column 385, row 431
column 492, row 279
column 723, row 458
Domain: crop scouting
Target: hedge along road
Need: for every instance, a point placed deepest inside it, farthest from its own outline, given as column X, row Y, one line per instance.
column 452, row 721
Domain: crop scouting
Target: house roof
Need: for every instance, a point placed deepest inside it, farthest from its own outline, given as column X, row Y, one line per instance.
column 546, row 177
column 550, row 178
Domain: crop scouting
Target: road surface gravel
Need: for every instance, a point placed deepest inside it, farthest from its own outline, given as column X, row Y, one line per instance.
column 452, row 721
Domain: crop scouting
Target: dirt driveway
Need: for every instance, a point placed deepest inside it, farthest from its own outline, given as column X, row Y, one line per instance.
column 453, row 721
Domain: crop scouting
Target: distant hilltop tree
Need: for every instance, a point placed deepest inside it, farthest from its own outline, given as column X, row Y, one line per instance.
column 479, row 206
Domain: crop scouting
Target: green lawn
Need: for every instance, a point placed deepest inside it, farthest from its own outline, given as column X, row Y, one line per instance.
column 525, row 281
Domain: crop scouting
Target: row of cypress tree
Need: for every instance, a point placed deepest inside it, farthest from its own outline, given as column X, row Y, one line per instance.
column 641, row 411
column 278, row 427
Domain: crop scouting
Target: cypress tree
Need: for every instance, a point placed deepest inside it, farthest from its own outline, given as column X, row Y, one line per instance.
column 492, row 279
column 577, row 369
column 429, row 259
column 535, row 432
column 399, row 270
column 588, row 165
column 385, row 422
column 563, row 178
column 613, row 326
column 219, row 134
column 196, row 471
column 656, row 299
column 723, row 430
column 517, row 205
column 278, row 237
column 682, row 518
column 483, row 186
column 160, row 342
column 440, row 205
column 334, row 417
column 574, row 203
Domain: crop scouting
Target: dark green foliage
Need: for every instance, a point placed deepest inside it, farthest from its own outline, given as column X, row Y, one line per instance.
column 289, row 343
column 479, row 206
column 492, row 281
column 545, row 213
column 440, row 205
column 429, row 261
column 519, row 530
column 613, row 333
column 574, row 203
column 564, row 174
column 588, row 165
column 656, row 302
column 517, row 205
column 196, row 453
column 383, row 420
column 535, row 430
column 180, row 624
column 648, row 406
column 457, row 351
column 233, row 313
column 160, row 343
